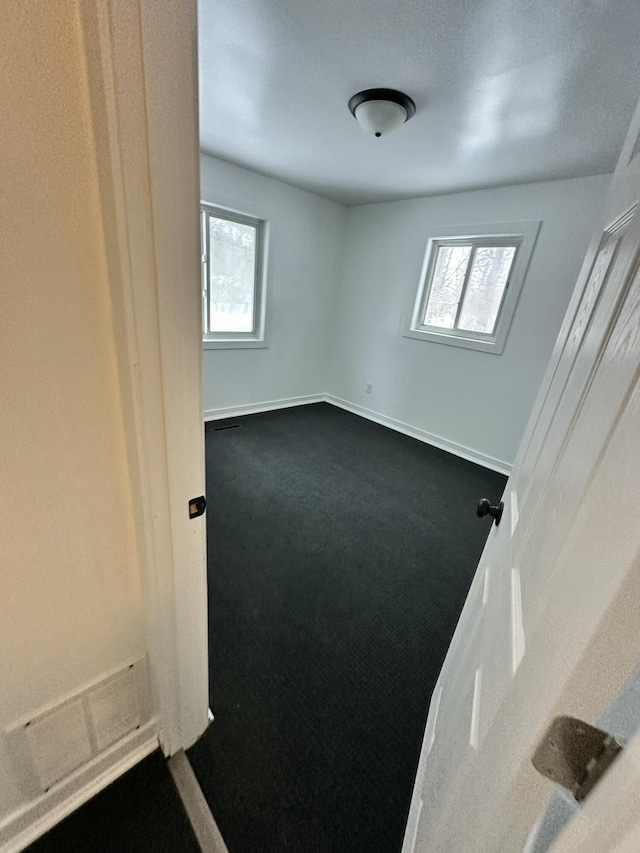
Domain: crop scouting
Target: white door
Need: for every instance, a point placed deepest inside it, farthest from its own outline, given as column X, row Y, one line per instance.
column 551, row 624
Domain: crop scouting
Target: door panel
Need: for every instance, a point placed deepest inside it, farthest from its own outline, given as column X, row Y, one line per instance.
column 585, row 434
column 497, row 648
column 593, row 320
column 550, row 624
column 541, row 434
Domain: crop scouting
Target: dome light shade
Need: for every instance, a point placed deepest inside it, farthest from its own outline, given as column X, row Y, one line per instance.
column 381, row 111
column 380, row 117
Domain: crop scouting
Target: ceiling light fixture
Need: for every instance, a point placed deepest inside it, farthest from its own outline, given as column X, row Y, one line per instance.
column 381, row 111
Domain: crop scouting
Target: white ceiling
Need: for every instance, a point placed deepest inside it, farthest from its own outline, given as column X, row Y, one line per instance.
column 507, row 91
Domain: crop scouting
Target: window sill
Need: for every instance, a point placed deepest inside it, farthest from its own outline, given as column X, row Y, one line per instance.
column 493, row 345
column 234, row 343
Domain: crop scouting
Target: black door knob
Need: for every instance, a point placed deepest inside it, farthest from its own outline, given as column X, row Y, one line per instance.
column 485, row 508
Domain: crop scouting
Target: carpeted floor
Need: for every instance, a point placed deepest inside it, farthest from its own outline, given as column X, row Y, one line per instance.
column 340, row 554
column 139, row 813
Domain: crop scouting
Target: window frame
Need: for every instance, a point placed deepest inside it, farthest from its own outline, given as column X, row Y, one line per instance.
column 521, row 235
column 255, row 339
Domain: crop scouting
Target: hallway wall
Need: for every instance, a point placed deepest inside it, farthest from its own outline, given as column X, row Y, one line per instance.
column 70, row 584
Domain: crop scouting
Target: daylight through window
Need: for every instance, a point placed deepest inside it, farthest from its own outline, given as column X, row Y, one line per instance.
column 232, row 276
column 470, row 284
column 467, row 284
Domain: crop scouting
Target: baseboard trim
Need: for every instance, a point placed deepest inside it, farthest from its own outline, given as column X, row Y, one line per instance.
column 460, row 450
column 202, row 821
column 266, row 406
column 29, row 822
column 422, row 435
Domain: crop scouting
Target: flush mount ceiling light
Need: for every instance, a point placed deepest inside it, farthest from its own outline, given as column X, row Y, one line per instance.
column 380, row 111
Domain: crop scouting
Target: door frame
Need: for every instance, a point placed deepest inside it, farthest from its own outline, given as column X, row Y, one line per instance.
column 142, row 79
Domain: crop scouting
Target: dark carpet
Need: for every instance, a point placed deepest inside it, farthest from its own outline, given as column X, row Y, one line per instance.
column 139, row 813
column 340, row 554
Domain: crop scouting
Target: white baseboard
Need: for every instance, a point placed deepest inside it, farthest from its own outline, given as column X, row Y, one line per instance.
column 28, row 823
column 469, row 453
column 422, row 435
column 256, row 408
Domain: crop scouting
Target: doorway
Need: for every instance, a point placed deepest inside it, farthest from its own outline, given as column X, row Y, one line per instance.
column 341, row 553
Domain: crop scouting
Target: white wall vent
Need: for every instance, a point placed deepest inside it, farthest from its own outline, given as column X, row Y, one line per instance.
column 53, row 742
column 59, row 743
column 114, row 708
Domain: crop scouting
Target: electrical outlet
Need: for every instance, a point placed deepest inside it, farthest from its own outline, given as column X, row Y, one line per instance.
column 368, row 388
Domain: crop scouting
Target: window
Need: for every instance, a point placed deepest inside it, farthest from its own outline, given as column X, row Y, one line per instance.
column 233, row 287
column 470, row 285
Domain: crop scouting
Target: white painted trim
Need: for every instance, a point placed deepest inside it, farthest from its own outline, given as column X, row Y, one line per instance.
column 399, row 426
column 202, row 821
column 234, row 343
column 266, row 406
column 526, row 234
column 429, row 335
column 28, row 823
column 432, row 719
column 414, row 834
column 422, row 435
column 141, row 69
column 169, row 38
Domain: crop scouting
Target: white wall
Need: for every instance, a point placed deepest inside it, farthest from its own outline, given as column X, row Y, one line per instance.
column 473, row 400
column 305, row 240
column 342, row 281
column 69, row 582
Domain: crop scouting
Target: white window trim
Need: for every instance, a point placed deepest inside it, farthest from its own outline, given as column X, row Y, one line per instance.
column 238, row 340
column 525, row 234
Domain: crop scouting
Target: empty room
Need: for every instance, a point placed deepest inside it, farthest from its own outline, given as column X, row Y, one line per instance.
column 385, row 274
column 324, row 530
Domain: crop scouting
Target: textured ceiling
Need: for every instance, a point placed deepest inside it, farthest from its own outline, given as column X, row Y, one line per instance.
column 507, row 91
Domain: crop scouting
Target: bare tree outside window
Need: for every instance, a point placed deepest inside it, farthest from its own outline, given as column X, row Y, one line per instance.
column 487, row 282
column 467, row 287
column 234, row 278
column 470, row 284
column 232, row 268
column 446, row 288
